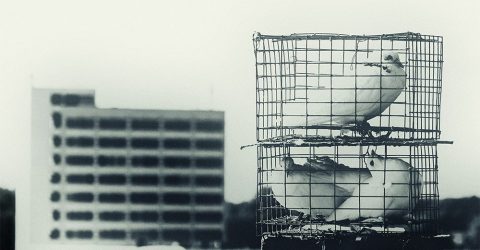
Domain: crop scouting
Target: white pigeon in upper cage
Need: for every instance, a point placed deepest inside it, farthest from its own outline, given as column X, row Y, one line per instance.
column 393, row 191
column 359, row 93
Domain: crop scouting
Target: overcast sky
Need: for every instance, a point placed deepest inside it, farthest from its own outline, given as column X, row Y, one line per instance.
column 199, row 55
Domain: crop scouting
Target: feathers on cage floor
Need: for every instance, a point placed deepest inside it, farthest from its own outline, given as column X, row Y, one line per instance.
column 392, row 191
column 361, row 93
column 328, row 179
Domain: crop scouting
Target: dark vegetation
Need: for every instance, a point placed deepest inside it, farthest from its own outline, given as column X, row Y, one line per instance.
column 7, row 219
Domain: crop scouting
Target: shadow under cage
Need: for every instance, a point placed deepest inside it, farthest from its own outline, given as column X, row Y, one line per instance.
column 347, row 133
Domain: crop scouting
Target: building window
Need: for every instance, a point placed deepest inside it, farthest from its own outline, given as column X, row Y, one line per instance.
column 180, row 235
column 145, row 124
column 176, row 198
column 112, row 198
column 112, row 179
column 208, row 217
column 80, row 216
column 57, row 119
column 80, row 123
column 144, row 180
column 113, row 234
column 105, row 161
column 208, row 199
column 56, row 215
column 113, row 124
column 176, row 143
column 207, row 234
column 209, row 162
column 144, row 143
column 57, row 141
column 55, row 234
column 57, row 159
column 79, row 160
column 182, row 162
column 56, row 99
column 177, row 216
column 56, row 178
column 209, row 181
column 150, row 234
column 144, row 216
column 83, row 142
column 112, row 142
column 209, row 144
column 209, row 126
column 145, row 161
column 177, row 125
column 176, row 180
column 80, row 197
column 55, row 196
column 80, row 234
column 112, row 216
column 80, row 178
column 71, row 100
column 144, row 198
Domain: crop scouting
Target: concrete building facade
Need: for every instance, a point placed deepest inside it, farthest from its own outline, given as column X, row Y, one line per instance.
column 119, row 176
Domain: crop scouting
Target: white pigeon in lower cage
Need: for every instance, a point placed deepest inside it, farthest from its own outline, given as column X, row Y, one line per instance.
column 310, row 188
column 393, row 190
column 361, row 93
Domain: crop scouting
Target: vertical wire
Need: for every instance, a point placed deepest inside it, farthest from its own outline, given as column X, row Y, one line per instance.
column 334, row 184
column 407, row 81
column 282, row 86
column 264, row 89
column 431, row 89
column 412, row 226
column 355, row 81
column 258, row 217
column 306, row 88
column 331, row 87
column 270, row 93
column 310, row 189
column 275, row 100
column 360, row 165
column 381, row 83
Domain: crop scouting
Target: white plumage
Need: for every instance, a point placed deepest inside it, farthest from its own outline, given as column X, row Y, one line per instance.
column 316, row 198
column 361, row 93
column 393, row 190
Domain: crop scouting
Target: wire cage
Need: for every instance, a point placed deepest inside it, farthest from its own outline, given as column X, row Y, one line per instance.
column 347, row 133
column 321, row 84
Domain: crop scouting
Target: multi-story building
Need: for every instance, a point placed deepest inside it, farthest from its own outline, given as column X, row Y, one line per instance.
column 121, row 176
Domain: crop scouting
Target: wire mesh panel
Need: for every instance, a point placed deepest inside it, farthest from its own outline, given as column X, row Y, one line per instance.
column 318, row 189
column 347, row 132
column 344, row 83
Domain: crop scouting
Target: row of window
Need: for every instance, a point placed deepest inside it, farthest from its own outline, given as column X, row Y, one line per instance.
column 138, row 143
column 143, row 216
column 180, row 235
column 137, row 124
column 171, row 198
column 70, row 100
column 139, row 161
column 139, row 179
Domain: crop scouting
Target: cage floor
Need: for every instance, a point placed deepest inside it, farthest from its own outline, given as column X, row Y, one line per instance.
column 293, row 225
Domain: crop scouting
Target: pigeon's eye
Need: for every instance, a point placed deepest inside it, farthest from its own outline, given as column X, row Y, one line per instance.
column 389, row 57
column 371, row 163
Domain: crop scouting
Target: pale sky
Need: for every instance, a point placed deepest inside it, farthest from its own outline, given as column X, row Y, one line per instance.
column 199, row 55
